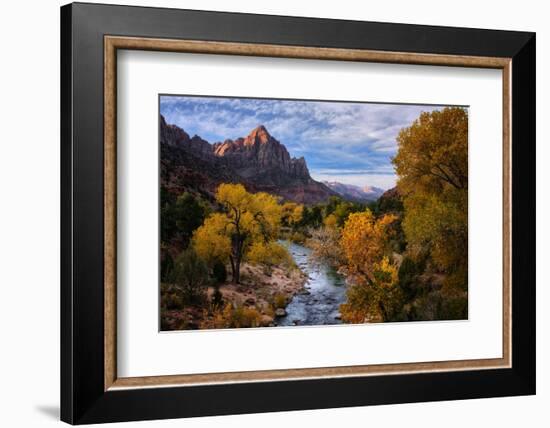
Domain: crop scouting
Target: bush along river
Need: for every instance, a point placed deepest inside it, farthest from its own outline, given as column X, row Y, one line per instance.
column 325, row 291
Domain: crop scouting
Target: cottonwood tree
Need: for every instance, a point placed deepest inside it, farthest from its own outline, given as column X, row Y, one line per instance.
column 366, row 246
column 432, row 168
column 246, row 219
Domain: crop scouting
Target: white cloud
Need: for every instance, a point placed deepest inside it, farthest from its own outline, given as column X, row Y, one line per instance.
column 357, row 140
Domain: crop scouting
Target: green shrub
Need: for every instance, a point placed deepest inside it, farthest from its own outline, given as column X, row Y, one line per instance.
column 217, row 297
column 190, row 276
column 166, row 266
column 170, row 297
column 219, row 272
column 408, row 272
column 172, row 301
column 440, row 305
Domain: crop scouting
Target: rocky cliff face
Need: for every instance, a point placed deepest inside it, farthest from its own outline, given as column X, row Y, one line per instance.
column 259, row 153
column 173, row 136
column 258, row 161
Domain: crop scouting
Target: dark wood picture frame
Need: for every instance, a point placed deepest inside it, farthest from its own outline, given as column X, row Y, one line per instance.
column 90, row 37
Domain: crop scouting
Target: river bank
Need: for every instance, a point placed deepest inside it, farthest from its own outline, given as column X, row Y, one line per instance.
column 310, row 294
column 262, row 291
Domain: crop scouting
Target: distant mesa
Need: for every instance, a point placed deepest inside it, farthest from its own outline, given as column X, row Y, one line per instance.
column 259, row 161
column 355, row 193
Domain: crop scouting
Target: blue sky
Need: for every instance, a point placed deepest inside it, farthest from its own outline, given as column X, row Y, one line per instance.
column 351, row 143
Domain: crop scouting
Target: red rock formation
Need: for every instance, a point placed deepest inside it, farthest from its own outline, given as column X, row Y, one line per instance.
column 260, row 151
column 259, row 161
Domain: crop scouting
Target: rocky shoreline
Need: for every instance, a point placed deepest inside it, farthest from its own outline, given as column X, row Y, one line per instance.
column 266, row 291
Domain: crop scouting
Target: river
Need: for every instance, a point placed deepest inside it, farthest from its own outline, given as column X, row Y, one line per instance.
column 325, row 291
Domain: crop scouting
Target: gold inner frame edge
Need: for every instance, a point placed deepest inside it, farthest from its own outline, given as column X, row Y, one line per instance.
column 113, row 43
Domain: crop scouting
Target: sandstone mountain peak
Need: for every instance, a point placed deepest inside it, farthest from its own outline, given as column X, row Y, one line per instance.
column 259, row 135
column 260, row 130
column 259, row 161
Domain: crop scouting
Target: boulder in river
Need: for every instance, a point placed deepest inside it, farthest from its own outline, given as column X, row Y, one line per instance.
column 266, row 321
column 280, row 312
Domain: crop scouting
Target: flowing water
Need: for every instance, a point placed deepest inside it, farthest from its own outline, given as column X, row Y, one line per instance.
column 325, row 291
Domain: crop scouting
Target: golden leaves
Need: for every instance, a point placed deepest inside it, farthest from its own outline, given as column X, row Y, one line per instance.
column 365, row 241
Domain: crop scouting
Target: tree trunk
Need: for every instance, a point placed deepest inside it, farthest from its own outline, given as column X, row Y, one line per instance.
column 235, row 269
column 383, row 311
column 232, row 269
column 237, row 276
column 237, row 242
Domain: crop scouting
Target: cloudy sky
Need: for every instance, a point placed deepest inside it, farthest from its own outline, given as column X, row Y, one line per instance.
column 351, row 143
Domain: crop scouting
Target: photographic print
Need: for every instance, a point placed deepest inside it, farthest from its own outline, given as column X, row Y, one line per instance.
column 279, row 212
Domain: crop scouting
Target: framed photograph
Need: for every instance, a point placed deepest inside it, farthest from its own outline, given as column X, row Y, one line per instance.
column 266, row 213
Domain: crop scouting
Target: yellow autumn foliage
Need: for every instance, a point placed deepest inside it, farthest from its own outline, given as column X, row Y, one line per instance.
column 252, row 215
column 232, row 317
column 365, row 241
column 269, row 253
column 211, row 242
column 373, row 292
column 246, row 221
column 331, row 221
column 292, row 213
column 432, row 167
